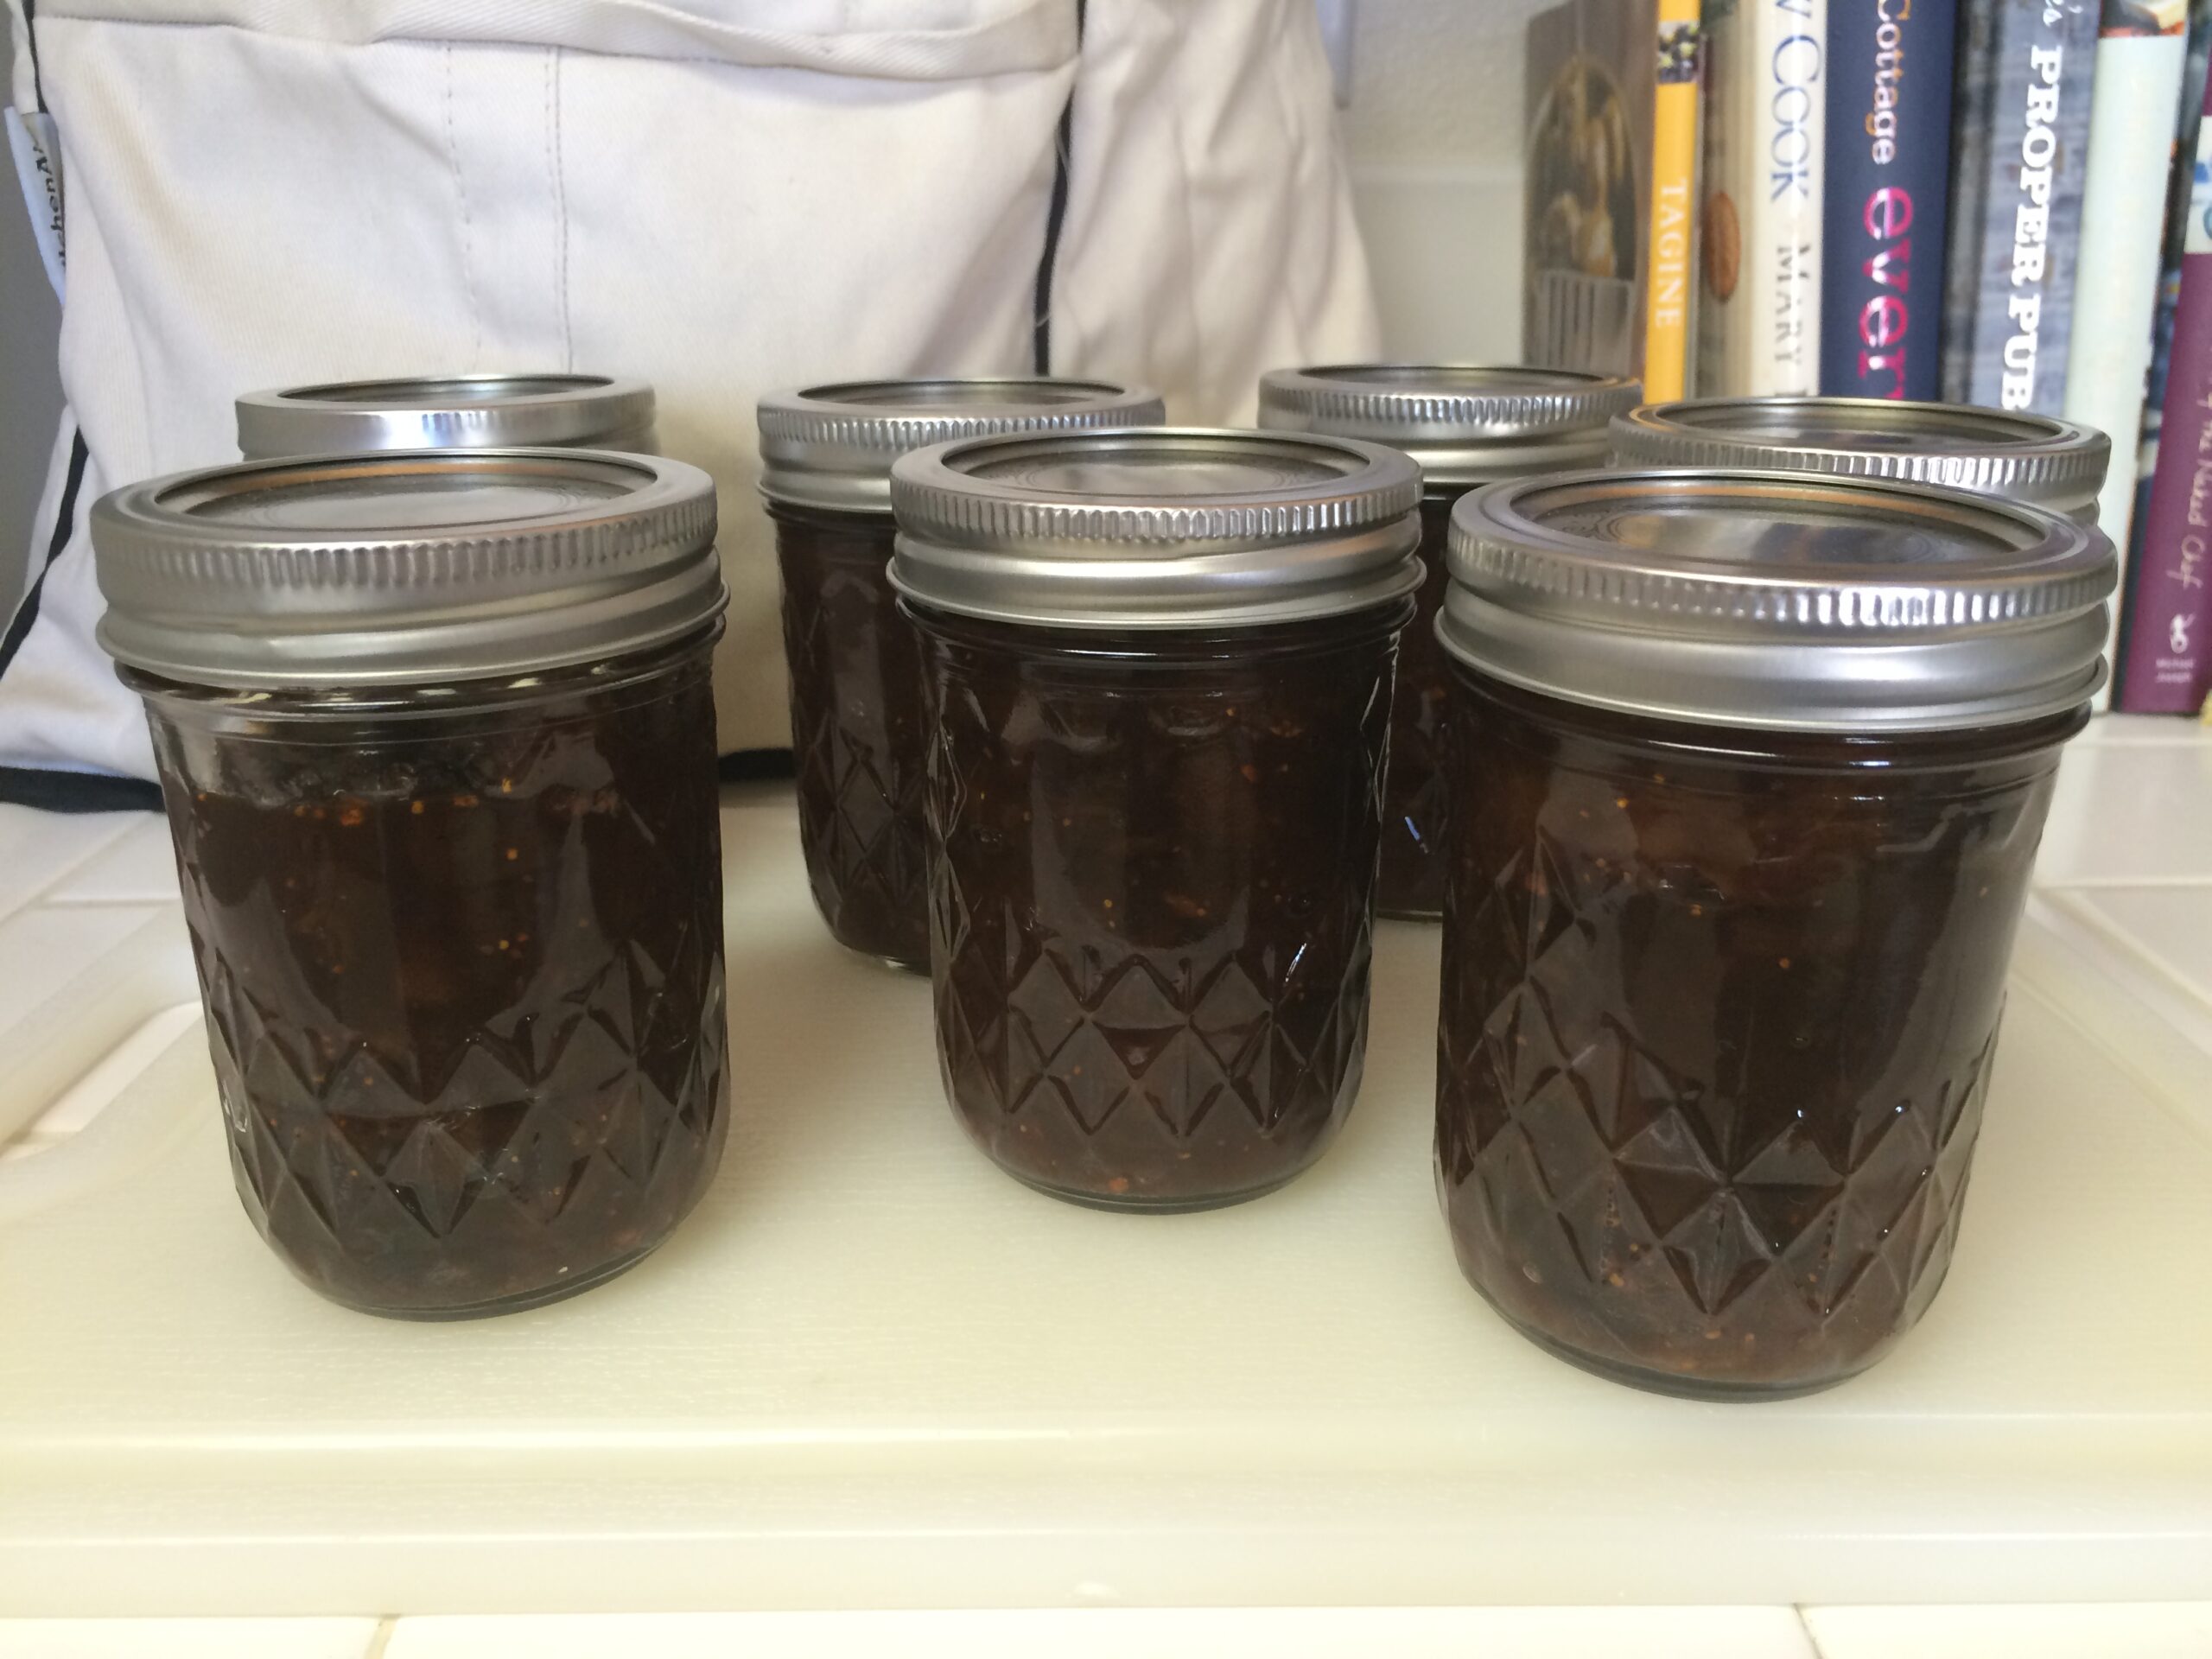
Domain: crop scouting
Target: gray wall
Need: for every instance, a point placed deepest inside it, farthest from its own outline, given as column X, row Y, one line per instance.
column 31, row 394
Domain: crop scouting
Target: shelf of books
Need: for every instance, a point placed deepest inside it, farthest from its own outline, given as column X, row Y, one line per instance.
column 2001, row 202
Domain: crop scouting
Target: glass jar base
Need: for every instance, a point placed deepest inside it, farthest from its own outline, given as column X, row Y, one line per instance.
column 879, row 959
column 1667, row 1382
column 543, row 1297
column 1133, row 1206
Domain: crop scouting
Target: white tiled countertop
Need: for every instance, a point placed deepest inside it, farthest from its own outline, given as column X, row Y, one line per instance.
column 88, row 934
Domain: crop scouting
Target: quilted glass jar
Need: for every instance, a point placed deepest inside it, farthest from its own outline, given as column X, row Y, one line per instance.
column 436, row 742
column 1465, row 425
column 859, row 733
column 1160, row 665
column 1750, row 772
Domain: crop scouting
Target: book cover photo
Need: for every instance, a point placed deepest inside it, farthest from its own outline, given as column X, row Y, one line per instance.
column 1765, row 132
column 1610, row 219
column 1888, row 173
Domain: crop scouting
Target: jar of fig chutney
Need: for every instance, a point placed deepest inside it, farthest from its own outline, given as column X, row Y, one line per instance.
column 2022, row 457
column 1465, row 425
column 448, row 411
column 437, row 742
column 1159, row 663
column 859, row 734
column 1749, row 771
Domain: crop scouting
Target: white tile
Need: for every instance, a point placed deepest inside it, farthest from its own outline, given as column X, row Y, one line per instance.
column 37, row 848
column 2116, row 1630
column 75, row 983
column 2138, row 810
column 114, row 1073
column 2142, row 729
column 185, row 1638
column 43, row 948
column 1115, row 1633
column 2169, row 927
column 138, row 867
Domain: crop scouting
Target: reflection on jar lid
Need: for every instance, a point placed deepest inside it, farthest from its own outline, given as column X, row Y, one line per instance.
column 1463, row 423
column 832, row 446
column 404, row 567
column 1776, row 598
column 1156, row 527
column 2054, row 463
column 457, row 411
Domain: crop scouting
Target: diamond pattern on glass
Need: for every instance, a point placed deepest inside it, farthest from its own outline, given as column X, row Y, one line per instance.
column 858, row 740
column 1714, row 1045
column 467, row 1025
column 1148, row 990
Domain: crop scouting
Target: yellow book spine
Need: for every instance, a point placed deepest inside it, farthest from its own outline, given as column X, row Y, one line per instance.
column 1670, row 295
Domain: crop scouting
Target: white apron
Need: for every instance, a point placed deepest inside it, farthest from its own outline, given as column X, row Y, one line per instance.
column 723, row 197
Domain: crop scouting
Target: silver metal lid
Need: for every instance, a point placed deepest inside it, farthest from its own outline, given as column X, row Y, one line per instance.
column 1775, row 599
column 2056, row 464
column 1161, row 527
column 1463, row 423
column 449, row 411
column 404, row 567
column 833, row 446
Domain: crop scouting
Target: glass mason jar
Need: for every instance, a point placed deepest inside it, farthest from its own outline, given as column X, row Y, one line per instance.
column 448, row 411
column 437, row 746
column 1159, row 663
column 2051, row 463
column 859, row 733
column 1465, row 426
column 1749, row 773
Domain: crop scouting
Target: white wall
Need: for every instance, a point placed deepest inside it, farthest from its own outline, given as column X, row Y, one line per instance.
column 1434, row 130
column 30, row 395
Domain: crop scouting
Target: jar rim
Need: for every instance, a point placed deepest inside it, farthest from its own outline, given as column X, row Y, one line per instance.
column 404, row 565
column 1464, row 423
column 1777, row 599
column 1155, row 527
column 445, row 411
column 832, row 445
column 2016, row 453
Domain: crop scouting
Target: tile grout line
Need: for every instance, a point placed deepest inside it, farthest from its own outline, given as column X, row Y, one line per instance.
column 381, row 1637
column 101, row 901
column 2144, row 958
column 2119, row 883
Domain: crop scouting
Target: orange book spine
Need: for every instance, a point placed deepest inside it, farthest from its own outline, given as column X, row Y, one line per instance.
column 1670, row 295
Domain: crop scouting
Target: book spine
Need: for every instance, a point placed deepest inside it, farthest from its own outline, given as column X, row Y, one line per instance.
column 2132, row 130
column 1973, row 102
column 2167, row 665
column 1888, row 131
column 2180, row 179
column 2021, row 124
column 1759, row 318
column 1668, row 298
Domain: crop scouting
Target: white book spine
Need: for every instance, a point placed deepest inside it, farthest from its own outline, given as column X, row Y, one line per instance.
column 1761, row 318
column 2123, row 212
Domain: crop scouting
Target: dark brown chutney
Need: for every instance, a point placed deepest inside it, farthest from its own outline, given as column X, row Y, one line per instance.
column 858, row 737
column 1151, row 889
column 1719, row 1012
column 462, row 962
column 1411, row 881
